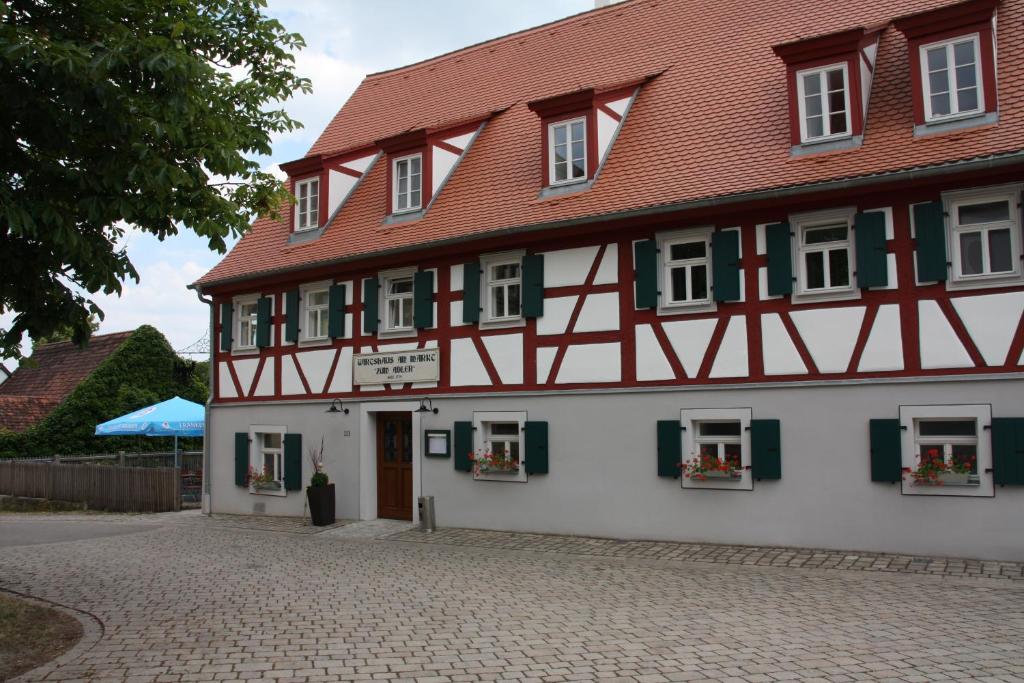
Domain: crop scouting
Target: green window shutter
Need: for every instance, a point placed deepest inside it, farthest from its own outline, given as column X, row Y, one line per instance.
column 670, row 447
column 241, row 458
column 291, row 316
column 872, row 262
column 930, row 233
column 886, row 459
column 1008, row 451
column 423, row 299
column 765, row 449
column 536, row 435
column 533, row 285
column 263, row 307
column 725, row 265
column 336, row 311
column 779, row 249
column 371, row 310
column 293, row 462
column 462, row 446
column 645, row 273
column 471, row 292
column 226, row 325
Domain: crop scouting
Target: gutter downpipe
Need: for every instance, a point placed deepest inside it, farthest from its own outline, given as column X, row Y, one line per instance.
column 207, row 508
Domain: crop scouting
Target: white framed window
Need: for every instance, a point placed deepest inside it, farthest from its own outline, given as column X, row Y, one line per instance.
column 307, row 211
column 316, row 309
column 984, row 235
column 266, row 459
column 498, row 446
column 947, row 450
column 398, row 302
column 824, row 254
column 407, row 179
column 951, row 78
column 823, row 96
column 245, row 309
column 685, row 277
column 716, row 448
column 503, row 287
column 567, row 151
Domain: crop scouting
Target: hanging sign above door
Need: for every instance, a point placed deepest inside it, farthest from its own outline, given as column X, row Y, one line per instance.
column 418, row 365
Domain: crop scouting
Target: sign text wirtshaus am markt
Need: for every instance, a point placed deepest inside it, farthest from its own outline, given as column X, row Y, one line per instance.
column 418, row 365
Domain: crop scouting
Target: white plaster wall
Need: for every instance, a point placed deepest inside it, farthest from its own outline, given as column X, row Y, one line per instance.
column 340, row 185
column 830, row 335
column 991, row 321
column 443, row 163
column 557, row 311
column 466, row 368
column 586, row 363
column 226, row 388
column 731, row 359
column 315, row 366
column 265, row 385
column 342, row 380
column 545, row 358
column 291, row 384
column 600, row 312
column 690, row 339
column 884, row 347
column 777, row 348
column 506, row 353
column 568, row 267
column 940, row 347
column 651, row 363
column 608, row 271
column 245, row 370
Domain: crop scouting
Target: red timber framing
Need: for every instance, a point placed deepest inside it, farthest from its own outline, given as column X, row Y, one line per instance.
column 618, row 237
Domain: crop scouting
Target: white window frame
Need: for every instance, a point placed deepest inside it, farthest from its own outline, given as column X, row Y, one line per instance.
column 306, row 310
column 665, row 241
column 567, row 123
column 690, row 419
column 311, row 215
column 910, row 416
column 481, row 442
column 487, row 262
column 386, row 329
column 237, row 322
column 256, row 452
column 952, row 201
column 954, row 98
column 826, row 123
column 410, row 207
column 808, row 221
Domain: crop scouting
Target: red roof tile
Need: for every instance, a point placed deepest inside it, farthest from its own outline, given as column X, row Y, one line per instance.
column 714, row 123
column 32, row 392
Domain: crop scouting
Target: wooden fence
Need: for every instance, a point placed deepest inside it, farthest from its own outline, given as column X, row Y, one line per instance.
column 114, row 488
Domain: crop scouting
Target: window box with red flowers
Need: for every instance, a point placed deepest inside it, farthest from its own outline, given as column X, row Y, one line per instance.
column 488, row 462
column 705, row 467
column 933, row 469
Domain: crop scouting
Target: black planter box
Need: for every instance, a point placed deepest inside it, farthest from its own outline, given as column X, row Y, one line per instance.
column 321, row 504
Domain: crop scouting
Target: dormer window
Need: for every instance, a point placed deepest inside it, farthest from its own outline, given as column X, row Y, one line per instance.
column 567, row 151
column 824, row 100
column 951, row 77
column 307, row 213
column 952, row 54
column 407, row 175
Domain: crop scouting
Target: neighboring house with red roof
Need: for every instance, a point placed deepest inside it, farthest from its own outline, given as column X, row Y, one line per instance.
column 35, row 389
column 743, row 272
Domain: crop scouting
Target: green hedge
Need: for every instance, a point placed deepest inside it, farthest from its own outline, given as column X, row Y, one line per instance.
column 142, row 371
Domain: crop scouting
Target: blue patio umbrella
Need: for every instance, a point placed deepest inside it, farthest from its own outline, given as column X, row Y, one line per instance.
column 173, row 417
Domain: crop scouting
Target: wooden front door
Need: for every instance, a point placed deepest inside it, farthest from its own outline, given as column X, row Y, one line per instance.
column 394, row 465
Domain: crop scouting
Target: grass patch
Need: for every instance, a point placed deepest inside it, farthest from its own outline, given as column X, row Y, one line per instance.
column 17, row 504
column 31, row 635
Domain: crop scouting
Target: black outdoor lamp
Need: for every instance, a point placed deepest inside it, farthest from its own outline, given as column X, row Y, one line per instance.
column 337, row 407
column 426, row 406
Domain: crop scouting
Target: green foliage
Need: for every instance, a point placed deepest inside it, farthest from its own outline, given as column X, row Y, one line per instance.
column 65, row 332
column 123, row 114
column 318, row 479
column 142, row 371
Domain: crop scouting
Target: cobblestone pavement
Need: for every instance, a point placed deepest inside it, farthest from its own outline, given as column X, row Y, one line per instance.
column 203, row 601
column 808, row 558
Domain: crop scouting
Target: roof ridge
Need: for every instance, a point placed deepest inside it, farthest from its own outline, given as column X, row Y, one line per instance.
column 91, row 339
column 614, row 6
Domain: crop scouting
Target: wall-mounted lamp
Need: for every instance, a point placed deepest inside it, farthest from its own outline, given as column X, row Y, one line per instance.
column 337, row 407
column 426, row 406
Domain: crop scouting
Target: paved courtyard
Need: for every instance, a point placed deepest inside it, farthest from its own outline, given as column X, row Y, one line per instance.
column 185, row 598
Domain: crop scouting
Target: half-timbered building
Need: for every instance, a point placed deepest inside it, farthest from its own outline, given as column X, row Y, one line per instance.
column 732, row 272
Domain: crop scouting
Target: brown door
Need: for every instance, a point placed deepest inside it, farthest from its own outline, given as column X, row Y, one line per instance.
column 394, row 465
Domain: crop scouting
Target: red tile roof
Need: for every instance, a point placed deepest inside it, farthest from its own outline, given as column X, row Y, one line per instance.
column 714, row 123
column 32, row 392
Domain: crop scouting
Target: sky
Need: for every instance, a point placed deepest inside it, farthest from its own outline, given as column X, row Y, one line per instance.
column 345, row 40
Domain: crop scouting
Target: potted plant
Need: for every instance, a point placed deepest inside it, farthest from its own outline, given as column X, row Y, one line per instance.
column 263, row 480
column 704, row 467
column 493, row 463
column 320, row 492
column 933, row 470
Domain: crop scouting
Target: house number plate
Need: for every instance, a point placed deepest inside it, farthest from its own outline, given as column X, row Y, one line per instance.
column 418, row 365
